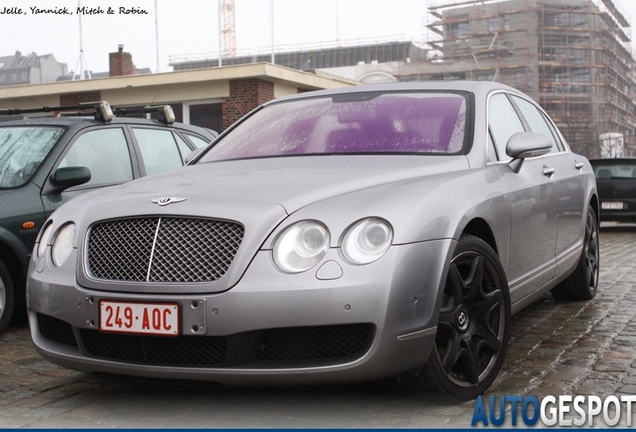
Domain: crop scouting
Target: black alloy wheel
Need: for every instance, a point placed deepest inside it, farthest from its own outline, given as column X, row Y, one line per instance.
column 591, row 254
column 473, row 329
column 583, row 283
column 6, row 297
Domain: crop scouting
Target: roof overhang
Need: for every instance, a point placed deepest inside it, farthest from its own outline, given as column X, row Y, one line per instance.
column 264, row 71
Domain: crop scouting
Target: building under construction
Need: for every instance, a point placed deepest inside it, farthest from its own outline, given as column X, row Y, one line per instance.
column 572, row 56
column 308, row 57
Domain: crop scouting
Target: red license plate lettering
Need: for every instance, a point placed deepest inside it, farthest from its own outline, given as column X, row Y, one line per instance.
column 139, row 318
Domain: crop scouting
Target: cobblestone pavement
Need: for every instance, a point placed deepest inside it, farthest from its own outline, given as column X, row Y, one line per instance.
column 557, row 348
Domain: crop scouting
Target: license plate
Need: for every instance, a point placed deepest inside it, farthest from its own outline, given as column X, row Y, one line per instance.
column 139, row 318
column 612, row 205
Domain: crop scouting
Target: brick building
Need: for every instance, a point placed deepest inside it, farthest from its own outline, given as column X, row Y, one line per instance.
column 211, row 97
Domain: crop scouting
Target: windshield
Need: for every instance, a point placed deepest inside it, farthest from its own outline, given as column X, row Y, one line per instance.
column 414, row 122
column 22, row 150
column 614, row 169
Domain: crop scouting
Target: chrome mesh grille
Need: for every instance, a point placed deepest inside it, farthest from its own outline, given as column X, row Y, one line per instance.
column 162, row 249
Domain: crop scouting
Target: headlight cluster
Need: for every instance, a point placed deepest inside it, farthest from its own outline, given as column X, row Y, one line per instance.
column 44, row 240
column 62, row 243
column 367, row 240
column 302, row 245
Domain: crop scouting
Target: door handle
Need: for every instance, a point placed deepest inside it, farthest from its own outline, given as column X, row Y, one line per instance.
column 548, row 171
column 578, row 165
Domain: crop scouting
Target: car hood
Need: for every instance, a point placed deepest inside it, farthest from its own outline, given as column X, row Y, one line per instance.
column 291, row 182
column 259, row 194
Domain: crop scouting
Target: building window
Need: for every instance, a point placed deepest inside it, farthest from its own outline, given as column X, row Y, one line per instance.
column 459, row 29
column 580, row 75
column 499, row 23
column 208, row 115
column 566, row 19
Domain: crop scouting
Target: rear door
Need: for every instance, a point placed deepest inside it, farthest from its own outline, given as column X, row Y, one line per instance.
column 159, row 149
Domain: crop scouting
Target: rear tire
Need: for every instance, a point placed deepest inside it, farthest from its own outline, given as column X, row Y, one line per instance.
column 473, row 329
column 583, row 283
column 6, row 297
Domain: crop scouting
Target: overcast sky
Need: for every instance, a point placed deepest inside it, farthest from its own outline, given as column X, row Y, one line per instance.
column 191, row 27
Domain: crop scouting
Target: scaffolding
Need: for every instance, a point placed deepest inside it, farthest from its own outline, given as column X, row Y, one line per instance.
column 571, row 56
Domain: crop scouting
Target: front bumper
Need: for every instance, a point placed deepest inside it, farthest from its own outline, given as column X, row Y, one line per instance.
column 618, row 216
column 370, row 322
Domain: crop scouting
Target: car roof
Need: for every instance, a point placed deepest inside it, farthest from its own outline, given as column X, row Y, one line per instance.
column 90, row 121
column 477, row 87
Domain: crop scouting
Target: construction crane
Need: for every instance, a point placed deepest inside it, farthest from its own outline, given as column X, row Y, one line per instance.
column 227, row 25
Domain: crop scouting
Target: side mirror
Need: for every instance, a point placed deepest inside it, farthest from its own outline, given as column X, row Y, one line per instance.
column 524, row 145
column 70, row 176
column 528, row 144
column 193, row 154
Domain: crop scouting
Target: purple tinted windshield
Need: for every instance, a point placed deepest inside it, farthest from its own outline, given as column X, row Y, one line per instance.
column 415, row 122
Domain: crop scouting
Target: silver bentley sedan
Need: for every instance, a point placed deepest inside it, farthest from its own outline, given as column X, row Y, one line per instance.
column 376, row 232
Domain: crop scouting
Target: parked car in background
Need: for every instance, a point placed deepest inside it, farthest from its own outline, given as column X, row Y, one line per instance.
column 381, row 231
column 44, row 162
column 616, row 182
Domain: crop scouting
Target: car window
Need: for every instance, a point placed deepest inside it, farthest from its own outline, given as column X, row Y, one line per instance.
column 555, row 133
column 535, row 120
column 22, row 150
column 503, row 122
column 184, row 148
column 199, row 142
column 105, row 153
column 375, row 123
column 158, row 149
column 618, row 169
column 492, row 153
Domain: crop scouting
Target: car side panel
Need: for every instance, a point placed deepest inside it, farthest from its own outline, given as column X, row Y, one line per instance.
column 572, row 204
column 534, row 229
column 21, row 206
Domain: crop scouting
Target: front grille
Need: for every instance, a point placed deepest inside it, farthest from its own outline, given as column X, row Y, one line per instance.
column 56, row 330
column 158, row 249
column 266, row 347
column 313, row 343
column 181, row 351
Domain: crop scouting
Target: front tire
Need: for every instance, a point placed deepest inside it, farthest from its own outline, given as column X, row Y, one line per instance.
column 6, row 297
column 583, row 283
column 474, row 326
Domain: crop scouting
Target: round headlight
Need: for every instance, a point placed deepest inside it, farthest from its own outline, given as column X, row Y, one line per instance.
column 367, row 240
column 63, row 244
column 301, row 246
column 44, row 240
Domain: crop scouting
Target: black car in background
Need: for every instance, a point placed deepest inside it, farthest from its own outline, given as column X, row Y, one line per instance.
column 44, row 162
column 616, row 183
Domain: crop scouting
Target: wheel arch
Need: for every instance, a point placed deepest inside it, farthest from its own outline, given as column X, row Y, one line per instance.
column 595, row 206
column 480, row 228
column 14, row 264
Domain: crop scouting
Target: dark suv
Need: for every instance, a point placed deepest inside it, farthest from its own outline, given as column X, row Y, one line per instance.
column 44, row 162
